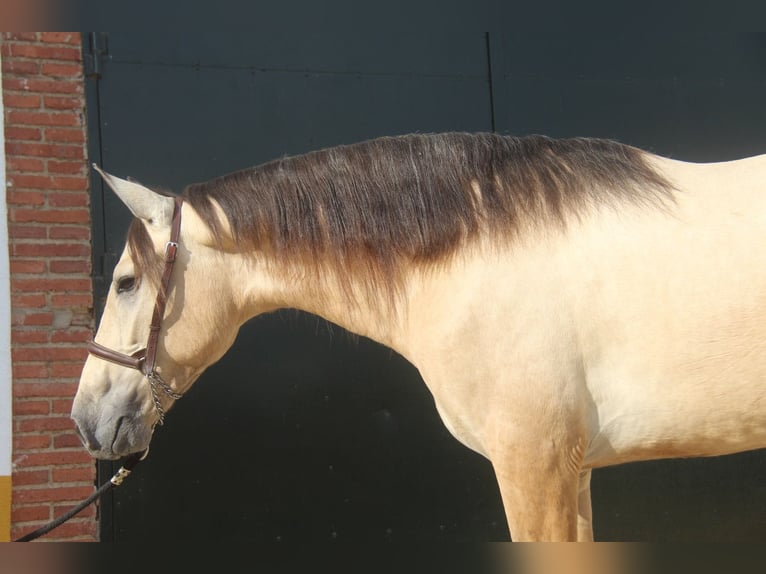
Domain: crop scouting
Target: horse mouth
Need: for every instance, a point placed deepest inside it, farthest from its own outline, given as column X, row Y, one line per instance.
column 130, row 436
column 117, row 428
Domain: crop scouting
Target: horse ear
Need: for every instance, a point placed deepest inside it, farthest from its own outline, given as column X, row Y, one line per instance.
column 144, row 203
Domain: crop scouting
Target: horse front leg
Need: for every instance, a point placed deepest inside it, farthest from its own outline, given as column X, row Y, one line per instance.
column 539, row 506
column 541, row 487
column 584, row 509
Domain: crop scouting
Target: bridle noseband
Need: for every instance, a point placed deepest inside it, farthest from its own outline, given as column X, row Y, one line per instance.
column 144, row 360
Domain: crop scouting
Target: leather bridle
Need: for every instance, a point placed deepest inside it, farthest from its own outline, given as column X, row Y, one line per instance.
column 144, row 360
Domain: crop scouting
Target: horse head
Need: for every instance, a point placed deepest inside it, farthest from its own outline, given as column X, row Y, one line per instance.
column 116, row 407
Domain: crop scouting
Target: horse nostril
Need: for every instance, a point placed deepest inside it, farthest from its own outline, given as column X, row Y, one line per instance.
column 90, row 444
column 117, row 430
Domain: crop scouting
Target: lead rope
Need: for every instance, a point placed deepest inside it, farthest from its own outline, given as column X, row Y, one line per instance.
column 124, row 471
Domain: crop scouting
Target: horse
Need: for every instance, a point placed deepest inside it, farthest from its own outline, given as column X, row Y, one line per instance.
column 570, row 303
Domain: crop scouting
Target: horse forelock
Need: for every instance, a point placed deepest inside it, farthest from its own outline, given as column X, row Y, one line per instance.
column 369, row 207
column 147, row 262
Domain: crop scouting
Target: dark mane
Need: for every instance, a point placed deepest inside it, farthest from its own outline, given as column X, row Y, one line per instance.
column 417, row 198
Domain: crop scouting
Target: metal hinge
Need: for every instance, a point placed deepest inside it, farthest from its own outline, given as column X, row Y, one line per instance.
column 97, row 48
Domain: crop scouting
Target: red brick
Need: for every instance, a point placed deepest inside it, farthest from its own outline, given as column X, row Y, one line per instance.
column 60, row 37
column 63, row 103
column 68, row 300
column 68, row 167
column 46, row 389
column 30, row 354
column 63, row 407
column 33, row 301
column 27, row 266
column 43, row 318
column 25, row 101
column 25, row 198
column 61, row 353
column 21, row 67
column 24, row 164
column 57, row 70
column 22, row 133
column 40, row 424
column 70, row 232
column 77, row 317
column 72, row 336
column 46, row 182
column 70, row 266
column 45, row 52
column 25, row 36
column 49, row 249
column 66, row 183
column 26, row 336
column 42, row 284
column 77, row 530
column 30, row 442
column 69, row 440
column 27, row 231
column 57, row 457
column 67, row 370
column 65, row 135
column 58, row 151
column 21, row 514
column 42, row 86
column 79, row 474
column 21, row 372
column 21, row 215
column 70, row 199
column 33, row 407
column 47, row 494
column 43, row 118
column 30, row 477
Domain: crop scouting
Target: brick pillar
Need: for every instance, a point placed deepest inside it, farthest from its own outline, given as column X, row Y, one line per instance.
column 50, row 266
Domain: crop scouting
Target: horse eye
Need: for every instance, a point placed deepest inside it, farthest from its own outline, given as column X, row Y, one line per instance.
column 126, row 284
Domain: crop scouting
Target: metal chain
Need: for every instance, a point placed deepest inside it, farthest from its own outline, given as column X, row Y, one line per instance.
column 154, row 380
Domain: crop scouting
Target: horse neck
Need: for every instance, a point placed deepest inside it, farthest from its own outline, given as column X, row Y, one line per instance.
column 350, row 303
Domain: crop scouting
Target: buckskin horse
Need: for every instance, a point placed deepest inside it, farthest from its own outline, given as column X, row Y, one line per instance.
column 570, row 304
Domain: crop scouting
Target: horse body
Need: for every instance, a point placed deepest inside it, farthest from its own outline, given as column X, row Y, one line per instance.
column 652, row 313
column 630, row 333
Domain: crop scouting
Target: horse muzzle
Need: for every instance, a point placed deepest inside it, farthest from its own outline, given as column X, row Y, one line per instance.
column 111, row 433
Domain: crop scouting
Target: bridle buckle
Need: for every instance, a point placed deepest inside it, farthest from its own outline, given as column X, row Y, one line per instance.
column 171, row 248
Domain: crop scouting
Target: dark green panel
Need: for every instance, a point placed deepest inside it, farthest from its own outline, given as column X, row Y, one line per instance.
column 633, row 52
column 695, row 500
column 342, row 51
column 690, row 96
column 692, row 121
column 171, row 126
